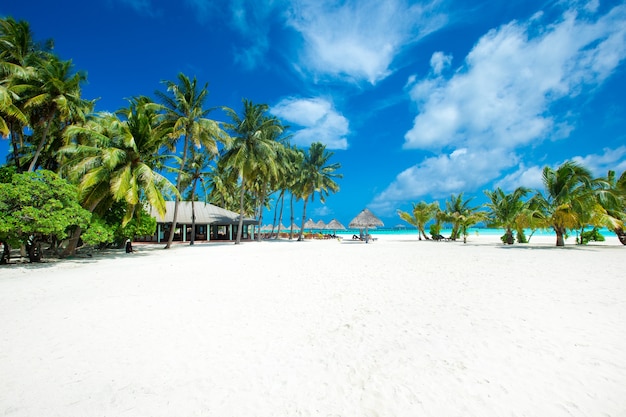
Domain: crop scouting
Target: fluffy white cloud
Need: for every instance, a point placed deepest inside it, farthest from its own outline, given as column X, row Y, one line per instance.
column 598, row 164
column 439, row 62
column 499, row 101
column 313, row 120
column 609, row 159
column 358, row 39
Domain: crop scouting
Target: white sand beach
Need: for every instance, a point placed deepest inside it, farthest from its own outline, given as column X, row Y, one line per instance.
column 395, row 328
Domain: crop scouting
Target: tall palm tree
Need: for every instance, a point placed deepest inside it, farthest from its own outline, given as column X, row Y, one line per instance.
column 568, row 190
column 187, row 118
column 420, row 214
column 54, row 95
column 253, row 150
column 18, row 53
column 112, row 160
column 507, row 210
column 317, row 175
column 196, row 171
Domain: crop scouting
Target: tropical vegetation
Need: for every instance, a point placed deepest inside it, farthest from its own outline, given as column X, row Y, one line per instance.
column 571, row 201
column 109, row 167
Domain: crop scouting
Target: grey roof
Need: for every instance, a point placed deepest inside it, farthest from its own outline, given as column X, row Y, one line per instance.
column 205, row 214
column 365, row 219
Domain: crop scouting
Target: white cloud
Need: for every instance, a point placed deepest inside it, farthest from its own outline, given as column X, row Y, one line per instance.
column 529, row 177
column 442, row 175
column 600, row 164
column 358, row 39
column 439, row 62
column 313, row 120
column 500, row 101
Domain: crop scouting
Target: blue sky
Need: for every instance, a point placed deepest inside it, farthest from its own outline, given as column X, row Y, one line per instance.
column 418, row 100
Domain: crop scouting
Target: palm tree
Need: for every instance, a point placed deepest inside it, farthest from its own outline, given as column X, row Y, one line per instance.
column 316, row 175
column 18, row 54
column 507, row 211
column 459, row 213
column 568, row 190
column 186, row 117
column 253, row 150
column 54, row 96
column 112, row 160
column 421, row 214
column 612, row 198
column 196, row 170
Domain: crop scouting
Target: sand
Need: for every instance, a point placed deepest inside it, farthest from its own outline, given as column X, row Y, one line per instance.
column 396, row 327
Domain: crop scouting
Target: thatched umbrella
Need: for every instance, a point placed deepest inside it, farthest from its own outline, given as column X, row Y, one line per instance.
column 334, row 225
column 364, row 220
column 320, row 225
column 310, row 224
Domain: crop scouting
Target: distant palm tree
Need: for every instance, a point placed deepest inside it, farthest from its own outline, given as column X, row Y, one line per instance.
column 568, row 191
column 317, row 175
column 253, row 150
column 507, row 210
column 421, row 214
column 459, row 212
column 612, row 198
column 187, row 118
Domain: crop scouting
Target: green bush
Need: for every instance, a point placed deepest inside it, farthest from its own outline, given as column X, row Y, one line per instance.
column 592, row 235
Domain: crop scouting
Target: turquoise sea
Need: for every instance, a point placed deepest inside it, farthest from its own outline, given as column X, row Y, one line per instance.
column 473, row 231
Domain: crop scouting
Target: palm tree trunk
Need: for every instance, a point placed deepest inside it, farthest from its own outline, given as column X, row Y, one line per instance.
column 291, row 217
column 193, row 223
column 33, row 163
column 179, row 178
column 241, row 212
column 423, row 232
column 261, row 204
column 282, row 205
column 16, row 152
column 621, row 235
column 193, row 212
column 301, row 237
column 560, row 233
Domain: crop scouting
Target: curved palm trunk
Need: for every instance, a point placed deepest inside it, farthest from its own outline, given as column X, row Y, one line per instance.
column 73, row 242
column 291, row 218
column 301, row 237
column 422, row 232
column 44, row 136
column 621, row 235
column 282, row 205
column 261, row 204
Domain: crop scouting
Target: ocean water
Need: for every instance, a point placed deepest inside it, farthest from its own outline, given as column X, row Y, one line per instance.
column 472, row 231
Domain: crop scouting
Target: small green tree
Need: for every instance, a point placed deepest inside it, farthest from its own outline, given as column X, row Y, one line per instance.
column 38, row 204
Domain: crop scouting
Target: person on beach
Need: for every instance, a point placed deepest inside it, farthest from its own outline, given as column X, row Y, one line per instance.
column 129, row 246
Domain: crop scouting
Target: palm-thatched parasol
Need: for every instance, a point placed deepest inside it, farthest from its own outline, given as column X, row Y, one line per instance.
column 334, row 225
column 320, row 225
column 310, row 224
column 365, row 220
